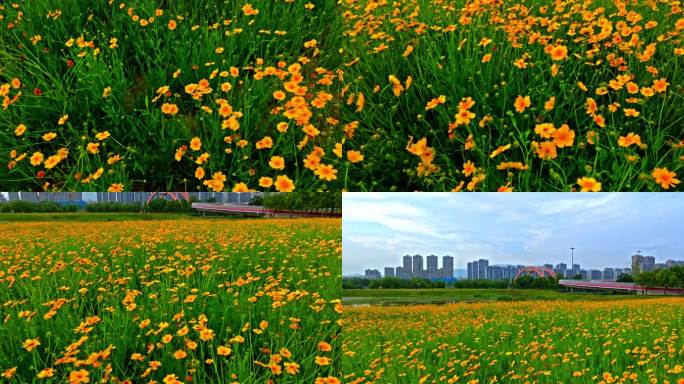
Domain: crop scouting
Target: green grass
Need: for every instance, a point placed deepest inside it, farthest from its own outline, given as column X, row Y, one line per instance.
column 451, row 295
column 344, row 49
column 557, row 341
column 448, row 63
column 113, row 299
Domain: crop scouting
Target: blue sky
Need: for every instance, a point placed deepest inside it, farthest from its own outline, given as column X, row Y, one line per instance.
column 510, row 228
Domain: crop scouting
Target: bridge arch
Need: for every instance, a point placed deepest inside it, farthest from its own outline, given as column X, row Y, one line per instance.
column 175, row 196
column 539, row 271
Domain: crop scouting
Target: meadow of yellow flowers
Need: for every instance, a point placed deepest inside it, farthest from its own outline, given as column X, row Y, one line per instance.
column 283, row 95
column 171, row 301
column 598, row 341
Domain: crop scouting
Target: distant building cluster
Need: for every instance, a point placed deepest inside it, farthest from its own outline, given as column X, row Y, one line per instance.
column 481, row 270
column 141, row 197
column 412, row 267
column 641, row 263
column 126, row 197
column 36, row 197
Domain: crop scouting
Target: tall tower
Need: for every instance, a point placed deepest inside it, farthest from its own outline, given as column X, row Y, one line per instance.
column 407, row 270
column 482, row 265
column 417, row 266
column 447, row 267
column 432, row 269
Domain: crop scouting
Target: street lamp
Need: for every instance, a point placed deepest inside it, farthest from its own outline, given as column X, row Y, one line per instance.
column 572, row 262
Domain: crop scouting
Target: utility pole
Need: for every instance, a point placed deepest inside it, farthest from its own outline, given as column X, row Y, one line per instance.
column 572, row 262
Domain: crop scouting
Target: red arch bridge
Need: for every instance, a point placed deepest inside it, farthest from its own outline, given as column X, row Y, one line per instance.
column 535, row 271
column 259, row 210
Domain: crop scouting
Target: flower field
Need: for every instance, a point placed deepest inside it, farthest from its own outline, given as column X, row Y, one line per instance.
column 285, row 95
column 616, row 341
column 171, row 301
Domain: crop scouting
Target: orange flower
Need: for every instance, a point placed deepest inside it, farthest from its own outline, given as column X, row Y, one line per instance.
column 45, row 373
column 320, row 360
column 665, row 177
column 195, row 144
column 265, row 182
column 49, row 136
column 545, row 130
column 199, row 173
column 631, row 112
column 223, row 350
column 36, row 159
column 102, row 135
column 264, row 143
column 284, row 184
column 631, row 138
column 564, row 136
column 21, row 128
column 248, row 10
column 31, row 344
column 326, row 172
column 354, row 156
column 432, row 104
column 216, row 183
column 282, row 127
column 93, row 148
column 550, row 103
column 116, row 187
column 499, row 150
column 240, row 187
column 52, row 161
column 169, row 109
column 179, row 354
column 589, row 184
column 292, row 368
column 277, row 162
column 327, row 380
column 172, row 24
column 660, row 85
column 522, row 103
column 546, row 150
column 558, row 52
column 468, row 168
column 279, row 95
column 80, row 376
column 417, row 148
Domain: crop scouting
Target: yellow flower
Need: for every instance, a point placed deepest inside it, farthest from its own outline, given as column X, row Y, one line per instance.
column 21, row 128
column 93, row 148
column 589, row 184
column 102, row 135
column 36, row 159
column 31, row 344
column 284, row 184
column 265, row 182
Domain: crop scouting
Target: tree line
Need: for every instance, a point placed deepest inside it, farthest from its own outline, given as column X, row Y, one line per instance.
column 322, row 203
column 158, row 205
column 672, row 277
column 19, row 206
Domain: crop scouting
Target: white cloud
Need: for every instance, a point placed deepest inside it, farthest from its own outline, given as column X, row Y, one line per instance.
column 396, row 216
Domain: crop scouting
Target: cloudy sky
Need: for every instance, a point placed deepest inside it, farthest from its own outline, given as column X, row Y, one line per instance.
column 510, row 228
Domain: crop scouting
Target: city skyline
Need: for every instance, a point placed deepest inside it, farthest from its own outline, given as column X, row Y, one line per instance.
column 520, row 229
column 122, row 197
